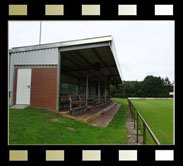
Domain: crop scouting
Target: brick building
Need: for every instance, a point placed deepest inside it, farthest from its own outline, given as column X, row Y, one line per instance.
column 40, row 74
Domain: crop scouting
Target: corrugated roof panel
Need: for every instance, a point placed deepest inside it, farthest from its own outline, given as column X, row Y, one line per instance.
column 45, row 56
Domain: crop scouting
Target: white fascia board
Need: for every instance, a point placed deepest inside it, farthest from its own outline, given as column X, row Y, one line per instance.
column 62, row 44
column 113, row 49
column 84, row 46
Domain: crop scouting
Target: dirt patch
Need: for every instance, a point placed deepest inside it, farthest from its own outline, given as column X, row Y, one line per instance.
column 55, row 120
column 14, row 140
column 70, row 128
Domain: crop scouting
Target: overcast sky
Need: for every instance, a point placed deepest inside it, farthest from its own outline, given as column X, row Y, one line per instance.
column 143, row 47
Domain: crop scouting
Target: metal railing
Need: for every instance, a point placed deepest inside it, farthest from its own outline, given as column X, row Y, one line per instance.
column 134, row 111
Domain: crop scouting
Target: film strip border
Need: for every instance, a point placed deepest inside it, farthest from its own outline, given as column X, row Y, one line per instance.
column 88, row 155
column 88, row 10
column 84, row 10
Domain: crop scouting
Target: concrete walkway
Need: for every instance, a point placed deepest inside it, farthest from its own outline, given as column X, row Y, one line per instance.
column 19, row 106
column 131, row 132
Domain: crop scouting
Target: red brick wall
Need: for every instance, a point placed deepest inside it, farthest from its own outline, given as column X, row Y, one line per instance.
column 44, row 88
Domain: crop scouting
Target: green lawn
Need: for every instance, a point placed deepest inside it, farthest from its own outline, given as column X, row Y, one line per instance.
column 39, row 126
column 159, row 116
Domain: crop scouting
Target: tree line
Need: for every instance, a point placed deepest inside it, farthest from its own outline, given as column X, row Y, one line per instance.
column 151, row 86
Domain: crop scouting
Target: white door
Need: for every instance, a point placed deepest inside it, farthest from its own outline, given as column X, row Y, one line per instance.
column 23, row 86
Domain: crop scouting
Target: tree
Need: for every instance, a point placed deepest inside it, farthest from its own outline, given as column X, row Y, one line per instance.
column 151, row 86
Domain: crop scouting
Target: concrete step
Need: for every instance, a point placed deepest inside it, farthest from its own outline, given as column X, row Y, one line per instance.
column 20, row 106
column 88, row 118
column 97, row 114
column 105, row 118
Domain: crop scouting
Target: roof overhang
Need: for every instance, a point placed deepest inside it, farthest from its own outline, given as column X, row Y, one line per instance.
column 62, row 44
column 77, row 60
column 79, row 57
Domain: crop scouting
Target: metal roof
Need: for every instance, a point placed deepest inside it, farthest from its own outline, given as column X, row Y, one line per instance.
column 99, row 62
column 62, row 44
column 81, row 56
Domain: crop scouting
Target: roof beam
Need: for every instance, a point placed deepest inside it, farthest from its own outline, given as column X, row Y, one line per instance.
column 70, row 69
column 83, row 58
column 84, row 69
column 92, row 66
column 78, row 65
column 82, row 78
column 98, row 56
column 72, row 75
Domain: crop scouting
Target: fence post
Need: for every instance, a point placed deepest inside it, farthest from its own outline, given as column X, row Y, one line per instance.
column 134, row 117
column 132, row 113
column 130, row 107
column 144, row 133
column 137, row 129
column 145, row 126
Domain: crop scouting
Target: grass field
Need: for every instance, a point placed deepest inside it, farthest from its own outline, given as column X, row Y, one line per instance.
column 159, row 116
column 39, row 126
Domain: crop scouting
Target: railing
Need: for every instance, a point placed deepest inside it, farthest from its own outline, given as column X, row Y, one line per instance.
column 134, row 111
column 73, row 100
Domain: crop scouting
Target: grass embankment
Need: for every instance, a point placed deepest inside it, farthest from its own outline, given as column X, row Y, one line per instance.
column 39, row 126
column 159, row 116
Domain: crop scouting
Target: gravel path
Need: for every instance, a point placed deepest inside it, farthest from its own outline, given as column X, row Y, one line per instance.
column 131, row 132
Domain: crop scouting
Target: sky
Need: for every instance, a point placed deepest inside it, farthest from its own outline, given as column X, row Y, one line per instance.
column 143, row 47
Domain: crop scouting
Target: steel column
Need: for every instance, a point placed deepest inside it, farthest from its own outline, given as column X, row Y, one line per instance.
column 86, row 88
column 98, row 91
column 105, row 92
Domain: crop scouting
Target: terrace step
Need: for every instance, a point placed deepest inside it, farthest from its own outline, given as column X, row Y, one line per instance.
column 91, row 114
column 104, row 119
column 78, row 110
column 97, row 114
